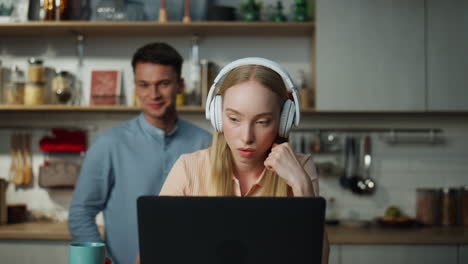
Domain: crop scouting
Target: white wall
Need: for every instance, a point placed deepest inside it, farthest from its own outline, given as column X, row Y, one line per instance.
column 398, row 169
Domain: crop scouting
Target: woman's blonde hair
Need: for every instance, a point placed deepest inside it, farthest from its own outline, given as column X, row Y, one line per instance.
column 220, row 154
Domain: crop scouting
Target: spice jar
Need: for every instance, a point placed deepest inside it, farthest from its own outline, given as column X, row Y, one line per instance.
column 449, row 207
column 428, row 206
column 34, row 93
column 14, row 88
column 62, row 90
column 35, row 70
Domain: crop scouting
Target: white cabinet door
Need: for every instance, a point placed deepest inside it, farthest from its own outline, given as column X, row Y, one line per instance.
column 334, row 257
column 390, row 254
column 447, row 54
column 370, row 55
column 463, row 254
column 33, row 252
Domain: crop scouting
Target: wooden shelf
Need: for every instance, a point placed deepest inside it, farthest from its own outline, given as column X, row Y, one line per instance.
column 157, row 28
column 94, row 108
column 201, row 110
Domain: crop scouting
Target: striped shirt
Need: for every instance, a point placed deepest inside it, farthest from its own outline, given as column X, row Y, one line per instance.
column 190, row 176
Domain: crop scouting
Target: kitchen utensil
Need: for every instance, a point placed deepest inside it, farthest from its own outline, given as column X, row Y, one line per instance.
column 367, row 181
column 344, row 179
column 12, row 171
column 19, row 176
column 356, row 184
column 27, row 169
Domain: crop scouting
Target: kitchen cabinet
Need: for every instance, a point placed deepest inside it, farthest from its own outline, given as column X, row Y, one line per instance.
column 447, row 55
column 370, row 55
column 389, row 254
column 34, row 251
column 463, row 254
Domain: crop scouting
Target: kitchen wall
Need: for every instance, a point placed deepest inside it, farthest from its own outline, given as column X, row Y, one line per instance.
column 398, row 169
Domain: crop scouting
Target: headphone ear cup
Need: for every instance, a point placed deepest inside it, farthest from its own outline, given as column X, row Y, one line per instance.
column 216, row 110
column 288, row 113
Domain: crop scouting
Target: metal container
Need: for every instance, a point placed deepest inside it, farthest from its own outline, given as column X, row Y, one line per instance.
column 464, row 206
column 449, row 207
column 428, row 205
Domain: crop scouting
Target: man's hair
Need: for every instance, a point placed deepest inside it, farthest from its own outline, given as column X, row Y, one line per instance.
column 158, row 53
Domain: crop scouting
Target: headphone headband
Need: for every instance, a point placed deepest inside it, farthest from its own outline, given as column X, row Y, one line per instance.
column 262, row 62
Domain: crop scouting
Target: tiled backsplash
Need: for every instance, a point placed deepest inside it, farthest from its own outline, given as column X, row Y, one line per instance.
column 397, row 168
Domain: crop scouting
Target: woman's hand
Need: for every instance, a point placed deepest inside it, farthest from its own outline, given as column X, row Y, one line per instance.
column 283, row 161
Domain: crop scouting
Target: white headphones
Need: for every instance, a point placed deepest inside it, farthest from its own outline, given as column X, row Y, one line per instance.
column 290, row 112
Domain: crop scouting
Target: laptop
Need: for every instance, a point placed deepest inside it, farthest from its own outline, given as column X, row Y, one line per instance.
column 225, row 230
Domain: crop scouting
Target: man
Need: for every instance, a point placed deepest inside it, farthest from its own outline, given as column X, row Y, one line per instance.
column 134, row 158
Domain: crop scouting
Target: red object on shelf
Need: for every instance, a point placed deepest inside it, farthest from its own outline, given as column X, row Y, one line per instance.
column 64, row 140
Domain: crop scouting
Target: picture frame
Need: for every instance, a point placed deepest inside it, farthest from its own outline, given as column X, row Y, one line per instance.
column 105, row 88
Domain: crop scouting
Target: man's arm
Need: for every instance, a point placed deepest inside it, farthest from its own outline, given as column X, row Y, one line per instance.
column 91, row 192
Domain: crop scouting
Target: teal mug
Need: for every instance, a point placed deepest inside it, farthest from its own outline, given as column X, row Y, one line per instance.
column 87, row 253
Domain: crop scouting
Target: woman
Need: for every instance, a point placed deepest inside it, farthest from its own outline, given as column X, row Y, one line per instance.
column 249, row 155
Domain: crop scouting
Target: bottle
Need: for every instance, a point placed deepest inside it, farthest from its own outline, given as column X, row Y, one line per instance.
column 279, row 16
column 14, row 88
column 300, row 11
column 305, row 94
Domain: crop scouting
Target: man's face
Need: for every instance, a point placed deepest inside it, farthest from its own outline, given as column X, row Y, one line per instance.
column 156, row 86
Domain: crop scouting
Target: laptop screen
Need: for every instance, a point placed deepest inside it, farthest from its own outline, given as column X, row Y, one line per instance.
column 224, row 230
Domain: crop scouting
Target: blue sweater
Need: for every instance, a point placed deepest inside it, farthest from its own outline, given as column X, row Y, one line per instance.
column 130, row 160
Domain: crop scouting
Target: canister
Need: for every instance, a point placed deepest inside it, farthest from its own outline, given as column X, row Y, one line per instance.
column 35, row 70
column 449, row 207
column 428, row 205
column 34, row 93
column 464, row 206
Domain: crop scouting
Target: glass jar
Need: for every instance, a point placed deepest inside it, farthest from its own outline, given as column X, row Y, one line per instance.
column 35, row 70
column 34, row 93
column 62, row 88
column 14, row 88
column 428, row 206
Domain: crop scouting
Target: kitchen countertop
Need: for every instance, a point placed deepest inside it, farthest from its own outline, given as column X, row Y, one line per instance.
column 37, row 231
column 336, row 234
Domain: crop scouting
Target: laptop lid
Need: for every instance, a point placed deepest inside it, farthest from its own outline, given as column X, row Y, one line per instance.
column 224, row 230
